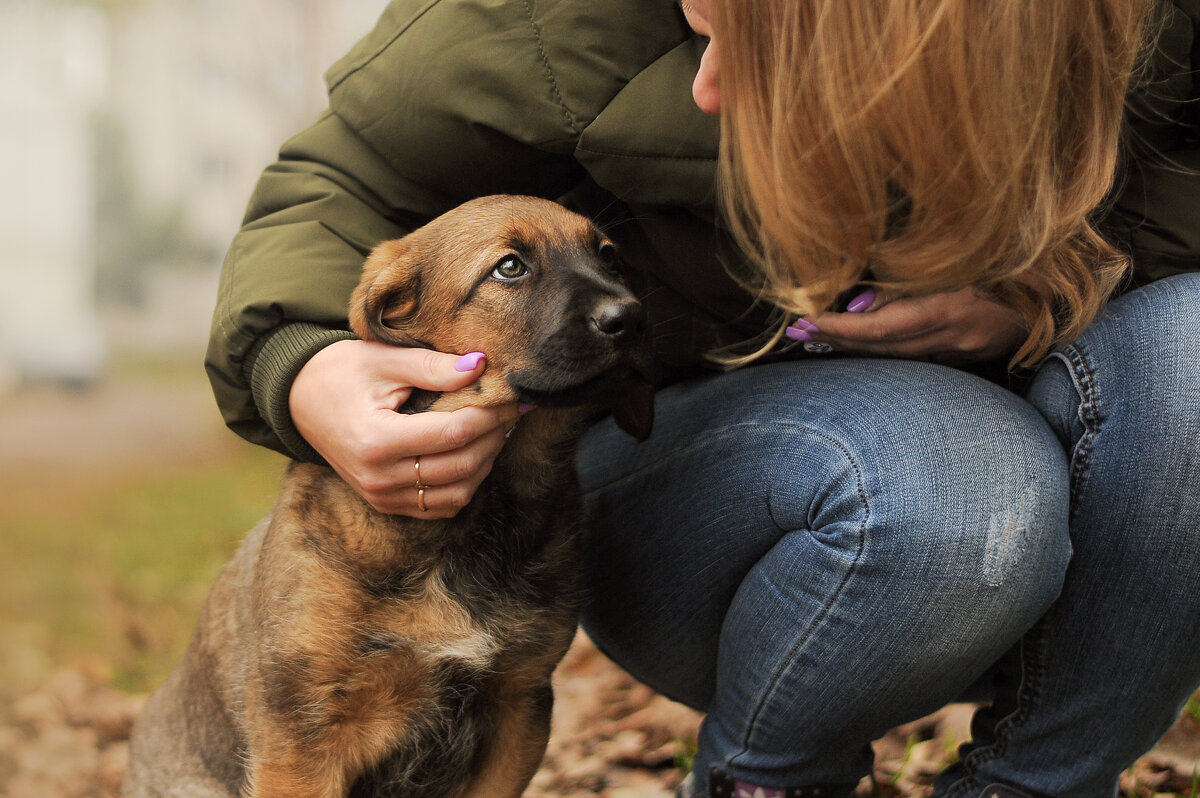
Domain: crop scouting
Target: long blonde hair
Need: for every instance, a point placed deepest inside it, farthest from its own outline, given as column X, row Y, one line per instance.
column 939, row 143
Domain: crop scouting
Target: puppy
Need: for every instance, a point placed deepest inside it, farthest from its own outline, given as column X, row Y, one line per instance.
column 347, row 652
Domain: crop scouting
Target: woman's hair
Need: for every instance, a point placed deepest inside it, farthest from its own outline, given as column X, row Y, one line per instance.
column 938, row 144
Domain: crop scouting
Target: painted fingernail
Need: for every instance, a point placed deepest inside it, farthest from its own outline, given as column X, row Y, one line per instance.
column 525, row 408
column 806, row 325
column 797, row 335
column 861, row 302
column 469, row 362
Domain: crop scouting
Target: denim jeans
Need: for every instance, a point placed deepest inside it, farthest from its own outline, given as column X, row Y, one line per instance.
column 816, row 551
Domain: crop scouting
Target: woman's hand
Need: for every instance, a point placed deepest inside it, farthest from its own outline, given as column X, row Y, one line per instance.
column 960, row 327
column 344, row 403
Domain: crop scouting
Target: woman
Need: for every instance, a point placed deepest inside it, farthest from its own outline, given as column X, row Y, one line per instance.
column 812, row 548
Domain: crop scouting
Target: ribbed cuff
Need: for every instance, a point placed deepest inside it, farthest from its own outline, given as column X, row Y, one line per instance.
column 272, row 366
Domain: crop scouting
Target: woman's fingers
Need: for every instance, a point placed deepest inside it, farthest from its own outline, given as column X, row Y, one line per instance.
column 344, row 403
column 957, row 327
column 449, row 478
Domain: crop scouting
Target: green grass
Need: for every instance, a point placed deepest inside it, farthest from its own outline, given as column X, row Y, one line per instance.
column 110, row 574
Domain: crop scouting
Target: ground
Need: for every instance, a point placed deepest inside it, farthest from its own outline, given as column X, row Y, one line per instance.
column 74, row 693
column 612, row 737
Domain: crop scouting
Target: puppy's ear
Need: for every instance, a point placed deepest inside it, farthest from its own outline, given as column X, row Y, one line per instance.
column 634, row 410
column 387, row 296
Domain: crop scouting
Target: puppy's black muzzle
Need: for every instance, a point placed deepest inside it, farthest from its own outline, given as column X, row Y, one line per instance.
column 596, row 351
column 623, row 321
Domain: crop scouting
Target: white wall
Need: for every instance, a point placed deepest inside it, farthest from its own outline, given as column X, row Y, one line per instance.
column 52, row 76
column 205, row 91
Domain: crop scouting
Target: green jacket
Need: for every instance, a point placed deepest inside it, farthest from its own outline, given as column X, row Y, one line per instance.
column 588, row 103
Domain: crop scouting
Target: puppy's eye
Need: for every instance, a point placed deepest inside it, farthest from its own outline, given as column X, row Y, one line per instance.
column 510, row 268
column 608, row 256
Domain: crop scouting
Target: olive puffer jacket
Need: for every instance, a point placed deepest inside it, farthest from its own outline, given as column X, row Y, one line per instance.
column 587, row 103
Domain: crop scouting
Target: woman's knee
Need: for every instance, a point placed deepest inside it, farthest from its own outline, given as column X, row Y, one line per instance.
column 1137, row 361
column 939, row 466
column 953, row 478
column 1122, row 399
column 1127, row 388
column 908, row 478
column 940, row 537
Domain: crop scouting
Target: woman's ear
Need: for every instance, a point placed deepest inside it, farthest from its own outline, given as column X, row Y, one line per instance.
column 387, row 296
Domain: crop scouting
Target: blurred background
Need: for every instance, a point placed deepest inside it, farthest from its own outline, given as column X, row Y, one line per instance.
column 131, row 135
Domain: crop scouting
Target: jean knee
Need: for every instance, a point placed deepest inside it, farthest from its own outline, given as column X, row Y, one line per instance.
column 848, row 485
column 1127, row 390
column 939, row 536
column 966, row 492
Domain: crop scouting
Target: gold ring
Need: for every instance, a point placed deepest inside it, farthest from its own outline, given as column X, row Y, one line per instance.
column 420, row 487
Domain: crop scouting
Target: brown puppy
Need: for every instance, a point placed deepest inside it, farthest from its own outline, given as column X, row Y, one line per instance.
column 347, row 652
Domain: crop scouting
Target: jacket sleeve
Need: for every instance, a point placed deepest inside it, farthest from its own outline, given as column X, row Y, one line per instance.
column 444, row 101
column 1155, row 209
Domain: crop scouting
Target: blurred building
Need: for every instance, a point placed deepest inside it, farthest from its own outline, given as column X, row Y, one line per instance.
column 52, row 76
column 131, row 135
column 209, row 89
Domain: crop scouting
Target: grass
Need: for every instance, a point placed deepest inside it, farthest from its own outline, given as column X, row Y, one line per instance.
column 108, row 573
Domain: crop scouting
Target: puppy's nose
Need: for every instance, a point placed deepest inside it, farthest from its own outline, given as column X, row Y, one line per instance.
column 621, row 320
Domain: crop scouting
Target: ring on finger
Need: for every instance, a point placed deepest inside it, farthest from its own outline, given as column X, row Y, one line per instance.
column 419, row 485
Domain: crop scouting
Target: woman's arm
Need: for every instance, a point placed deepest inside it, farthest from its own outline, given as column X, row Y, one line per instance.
column 431, row 109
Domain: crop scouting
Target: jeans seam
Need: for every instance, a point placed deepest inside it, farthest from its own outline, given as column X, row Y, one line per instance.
column 1084, row 378
column 1032, row 655
column 775, row 679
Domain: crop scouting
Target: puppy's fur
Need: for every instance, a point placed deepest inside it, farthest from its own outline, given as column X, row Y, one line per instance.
column 347, row 652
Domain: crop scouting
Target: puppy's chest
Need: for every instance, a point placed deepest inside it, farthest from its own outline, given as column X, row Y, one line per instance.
column 505, row 592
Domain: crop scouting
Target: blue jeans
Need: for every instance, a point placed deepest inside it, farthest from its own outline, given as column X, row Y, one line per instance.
column 814, row 552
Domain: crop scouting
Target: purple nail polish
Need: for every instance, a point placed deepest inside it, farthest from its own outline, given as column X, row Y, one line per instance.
column 806, row 325
column 469, row 362
column 525, row 408
column 797, row 335
column 861, row 302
